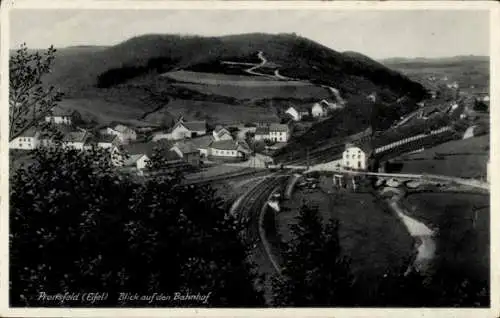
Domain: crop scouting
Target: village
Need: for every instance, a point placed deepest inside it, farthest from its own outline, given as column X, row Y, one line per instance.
column 194, row 143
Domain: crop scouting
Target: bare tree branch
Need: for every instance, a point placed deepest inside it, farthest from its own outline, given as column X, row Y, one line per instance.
column 30, row 101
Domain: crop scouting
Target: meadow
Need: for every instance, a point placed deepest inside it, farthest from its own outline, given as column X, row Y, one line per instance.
column 229, row 79
column 374, row 240
column 462, row 243
column 464, row 158
column 219, row 113
column 251, row 92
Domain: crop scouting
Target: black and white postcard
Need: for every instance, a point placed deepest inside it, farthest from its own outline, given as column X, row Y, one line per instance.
column 164, row 158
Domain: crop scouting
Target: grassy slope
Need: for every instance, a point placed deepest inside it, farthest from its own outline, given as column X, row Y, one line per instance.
column 76, row 71
column 373, row 239
column 462, row 158
column 460, row 246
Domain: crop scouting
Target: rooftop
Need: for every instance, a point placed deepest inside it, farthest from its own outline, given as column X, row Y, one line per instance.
column 262, row 131
column 105, row 138
column 202, row 142
column 278, row 127
column 224, row 145
column 148, row 148
column 122, row 128
column 75, row 136
column 30, row 132
column 195, row 125
column 187, row 147
column 132, row 159
column 366, row 146
column 59, row 111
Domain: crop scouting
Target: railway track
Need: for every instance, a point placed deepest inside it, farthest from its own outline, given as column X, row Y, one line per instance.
column 250, row 209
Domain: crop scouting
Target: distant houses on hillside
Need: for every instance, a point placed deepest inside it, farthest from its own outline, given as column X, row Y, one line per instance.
column 183, row 129
column 317, row 110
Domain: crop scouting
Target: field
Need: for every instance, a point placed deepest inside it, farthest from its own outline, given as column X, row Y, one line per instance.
column 461, row 245
column 219, row 112
column 373, row 238
column 464, row 158
column 232, row 80
column 259, row 92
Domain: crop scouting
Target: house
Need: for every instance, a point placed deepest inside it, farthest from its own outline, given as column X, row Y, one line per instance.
column 149, row 148
column 372, row 97
column 227, row 149
column 137, row 161
column 203, row 144
column 60, row 115
column 319, row 110
column 279, row 132
column 28, row 140
column 125, row 134
column 297, row 113
column 76, row 139
column 182, row 130
column 262, row 133
column 355, row 156
column 188, row 152
column 108, row 141
column 221, row 133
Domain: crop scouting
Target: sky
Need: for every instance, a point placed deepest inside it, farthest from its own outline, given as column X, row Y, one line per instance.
column 378, row 34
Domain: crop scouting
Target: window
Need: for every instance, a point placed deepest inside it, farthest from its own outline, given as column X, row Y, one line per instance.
column 359, row 156
column 359, row 164
column 347, row 163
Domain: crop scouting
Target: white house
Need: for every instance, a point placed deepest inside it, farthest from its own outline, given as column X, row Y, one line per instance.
column 125, row 134
column 279, row 132
column 203, row 144
column 221, row 133
column 319, row 110
column 226, row 149
column 137, row 161
column 60, row 115
column 262, row 133
column 183, row 129
column 355, row 157
column 75, row 139
column 297, row 113
column 28, row 140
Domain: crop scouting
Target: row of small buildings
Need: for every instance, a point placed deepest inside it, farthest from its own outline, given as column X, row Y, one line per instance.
column 317, row 110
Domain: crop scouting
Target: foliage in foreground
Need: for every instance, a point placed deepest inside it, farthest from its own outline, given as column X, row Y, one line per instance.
column 315, row 273
column 76, row 226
